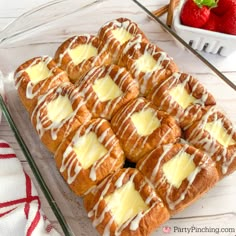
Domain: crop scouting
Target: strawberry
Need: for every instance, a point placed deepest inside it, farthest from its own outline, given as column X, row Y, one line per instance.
column 213, row 23
column 223, row 6
column 229, row 21
column 193, row 15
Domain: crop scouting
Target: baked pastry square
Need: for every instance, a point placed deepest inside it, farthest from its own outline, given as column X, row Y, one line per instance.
column 107, row 88
column 148, row 64
column 126, row 204
column 88, row 155
column 182, row 96
column 216, row 135
column 116, row 33
column 140, row 128
column 180, row 174
column 57, row 113
column 35, row 77
column 78, row 54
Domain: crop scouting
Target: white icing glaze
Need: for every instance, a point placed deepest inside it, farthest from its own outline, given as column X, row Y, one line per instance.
column 44, row 124
column 69, row 156
column 134, row 221
column 114, row 44
column 148, row 77
column 121, row 124
column 120, row 78
column 173, row 81
column 31, row 92
column 209, row 143
column 101, row 55
column 158, row 183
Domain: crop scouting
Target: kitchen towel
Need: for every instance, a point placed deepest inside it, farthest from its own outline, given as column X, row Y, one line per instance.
column 20, row 208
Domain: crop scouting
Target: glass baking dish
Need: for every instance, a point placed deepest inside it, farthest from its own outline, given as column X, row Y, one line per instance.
column 40, row 32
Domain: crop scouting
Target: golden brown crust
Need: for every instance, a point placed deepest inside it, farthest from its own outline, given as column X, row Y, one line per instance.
column 78, row 178
column 88, row 198
column 148, row 78
column 200, row 181
column 29, row 91
column 51, row 133
column 135, row 145
column 121, row 77
column 223, row 156
column 76, row 71
column 160, row 96
column 136, row 40
column 144, row 222
column 110, row 42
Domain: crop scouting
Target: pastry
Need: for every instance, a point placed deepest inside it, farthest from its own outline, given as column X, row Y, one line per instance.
column 148, row 64
column 140, row 128
column 106, row 88
column 182, row 96
column 117, row 33
column 216, row 135
column 180, row 174
column 34, row 77
column 126, row 204
column 57, row 113
column 136, row 40
column 79, row 54
column 88, row 155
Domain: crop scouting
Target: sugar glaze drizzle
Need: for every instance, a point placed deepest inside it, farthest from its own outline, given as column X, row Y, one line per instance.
column 70, row 160
column 132, row 222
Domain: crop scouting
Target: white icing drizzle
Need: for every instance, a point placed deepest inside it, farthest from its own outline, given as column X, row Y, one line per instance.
column 122, row 77
column 162, row 181
column 133, row 222
column 134, row 104
column 69, row 156
column 173, row 106
column 30, row 93
column 101, row 56
column 147, row 78
column 121, row 125
column 44, row 124
column 208, row 143
column 166, row 149
column 111, row 43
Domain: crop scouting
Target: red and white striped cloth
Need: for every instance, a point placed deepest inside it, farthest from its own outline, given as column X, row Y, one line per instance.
column 20, row 209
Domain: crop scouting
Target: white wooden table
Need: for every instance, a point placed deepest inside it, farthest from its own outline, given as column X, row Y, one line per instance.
column 11, row 9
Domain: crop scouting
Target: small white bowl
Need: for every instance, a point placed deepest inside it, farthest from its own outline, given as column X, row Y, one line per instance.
column 204, row 40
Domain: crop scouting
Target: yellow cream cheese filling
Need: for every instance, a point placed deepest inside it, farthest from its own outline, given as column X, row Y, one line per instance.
column 59, row 109
column 178, row 168
column 181, row 96
column 217, row 130
column 125, row 203
column 106, row 89
column 88, row 149
column 38, row 72
column 145, row 121
column 82, row 52
column 122, row 35
column 146, row 63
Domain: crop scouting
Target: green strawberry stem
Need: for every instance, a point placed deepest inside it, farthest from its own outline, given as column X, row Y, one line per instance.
column 208, row 3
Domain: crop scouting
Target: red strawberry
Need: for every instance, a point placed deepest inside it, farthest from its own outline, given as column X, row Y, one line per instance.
column 229, row 21
column 194, row 15
column 223, row 6
column 213, row 23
